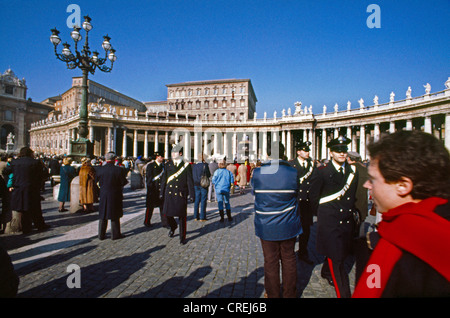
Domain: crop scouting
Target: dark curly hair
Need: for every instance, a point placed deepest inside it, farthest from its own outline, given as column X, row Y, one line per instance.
column 415, row 155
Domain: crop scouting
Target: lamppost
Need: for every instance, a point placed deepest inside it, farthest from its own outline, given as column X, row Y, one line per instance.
column 88, row 62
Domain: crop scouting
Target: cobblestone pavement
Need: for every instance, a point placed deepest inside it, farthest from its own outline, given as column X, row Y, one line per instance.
column 220, row 260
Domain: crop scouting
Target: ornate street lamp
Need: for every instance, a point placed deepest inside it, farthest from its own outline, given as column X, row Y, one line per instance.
column 88, row 62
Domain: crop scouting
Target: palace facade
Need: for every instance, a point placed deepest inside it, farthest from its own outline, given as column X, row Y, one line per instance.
column 17, row 112
column 219, row 118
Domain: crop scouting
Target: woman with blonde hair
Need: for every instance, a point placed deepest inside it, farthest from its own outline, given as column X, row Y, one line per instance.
column 67, row 173
column 88, row 188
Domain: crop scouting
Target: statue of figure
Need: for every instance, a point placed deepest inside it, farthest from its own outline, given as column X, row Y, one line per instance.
column 298, row 108
column 289, row 111
column 306, row 110
column 310, row 109
column 391, row 98
column 10, row 138
column 447, row 83
column 265, row 115
column 408, row 92
column 101, row 102
column 427, row 88
column 349, row 105
column 283, row 113
column 274, row 114
column 361, row 103
column 375, row 100
column 324, row 109
column 336, row 108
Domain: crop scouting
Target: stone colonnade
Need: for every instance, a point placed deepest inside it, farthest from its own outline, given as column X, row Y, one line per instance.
column 141, row 135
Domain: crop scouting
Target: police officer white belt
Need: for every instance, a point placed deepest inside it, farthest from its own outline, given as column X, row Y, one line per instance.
column 158, row 176
column 306, row 175
column 336, row 195
column 175, row 175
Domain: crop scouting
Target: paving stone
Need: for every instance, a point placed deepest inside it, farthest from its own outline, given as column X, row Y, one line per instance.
column 219, row 260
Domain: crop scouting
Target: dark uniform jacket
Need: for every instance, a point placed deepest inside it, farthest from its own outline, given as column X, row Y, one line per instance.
column 27, row 176
column 177, row 189
column 111, row 180
column 304, row 175
column 335, row 218
column 153, row 179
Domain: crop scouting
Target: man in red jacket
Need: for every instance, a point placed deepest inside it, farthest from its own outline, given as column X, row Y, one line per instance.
column 409, row 180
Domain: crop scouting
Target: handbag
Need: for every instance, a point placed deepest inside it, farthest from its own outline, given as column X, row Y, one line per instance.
column 204, row 180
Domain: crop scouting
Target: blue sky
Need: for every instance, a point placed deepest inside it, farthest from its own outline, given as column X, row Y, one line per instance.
column 318, row 52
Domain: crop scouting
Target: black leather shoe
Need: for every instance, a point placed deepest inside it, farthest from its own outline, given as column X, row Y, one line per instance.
column 171, row 232
column 183, row 242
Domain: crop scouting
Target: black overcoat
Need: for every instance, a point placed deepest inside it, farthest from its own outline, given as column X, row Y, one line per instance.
column 26, row 183
column 111, row 180
column 177, row 190
column 153, row 178
column 304, row 176
column 335, row 223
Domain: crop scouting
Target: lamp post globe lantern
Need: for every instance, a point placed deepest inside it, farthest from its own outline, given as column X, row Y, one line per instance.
column 88, row 62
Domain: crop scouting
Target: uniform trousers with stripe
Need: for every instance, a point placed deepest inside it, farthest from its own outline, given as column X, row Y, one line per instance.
column 336, row 270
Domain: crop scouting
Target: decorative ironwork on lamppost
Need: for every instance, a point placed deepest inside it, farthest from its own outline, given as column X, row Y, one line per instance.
column 88, row 62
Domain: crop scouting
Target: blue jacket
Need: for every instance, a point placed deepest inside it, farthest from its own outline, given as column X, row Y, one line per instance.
column 197, row 171
column 222, row 180
column 275, row 187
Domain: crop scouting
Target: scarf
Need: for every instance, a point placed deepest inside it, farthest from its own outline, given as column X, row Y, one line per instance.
column 411, row 227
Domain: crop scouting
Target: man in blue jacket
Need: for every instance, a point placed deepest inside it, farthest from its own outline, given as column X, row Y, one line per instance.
column 277, row 221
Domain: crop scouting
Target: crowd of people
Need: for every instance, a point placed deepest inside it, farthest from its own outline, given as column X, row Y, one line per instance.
column 408, row 178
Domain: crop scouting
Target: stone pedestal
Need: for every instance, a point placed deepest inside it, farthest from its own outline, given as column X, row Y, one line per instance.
column 75, row 195
column 56, row 192
column 136, row 181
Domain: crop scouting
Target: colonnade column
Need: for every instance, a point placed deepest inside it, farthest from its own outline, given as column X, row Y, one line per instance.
column 187, row 145
column 124, row 144
column 428, row 127
column 255, row 145
column 156, row 148
column 350, row 136
column 289, row 145
column 376, row 133
column 135, row 144
column 324, row 144
column 166, row 145
column 145, row 144
column 362, row 142
column 447, row 131
column 196, row 146
column 109, row 140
